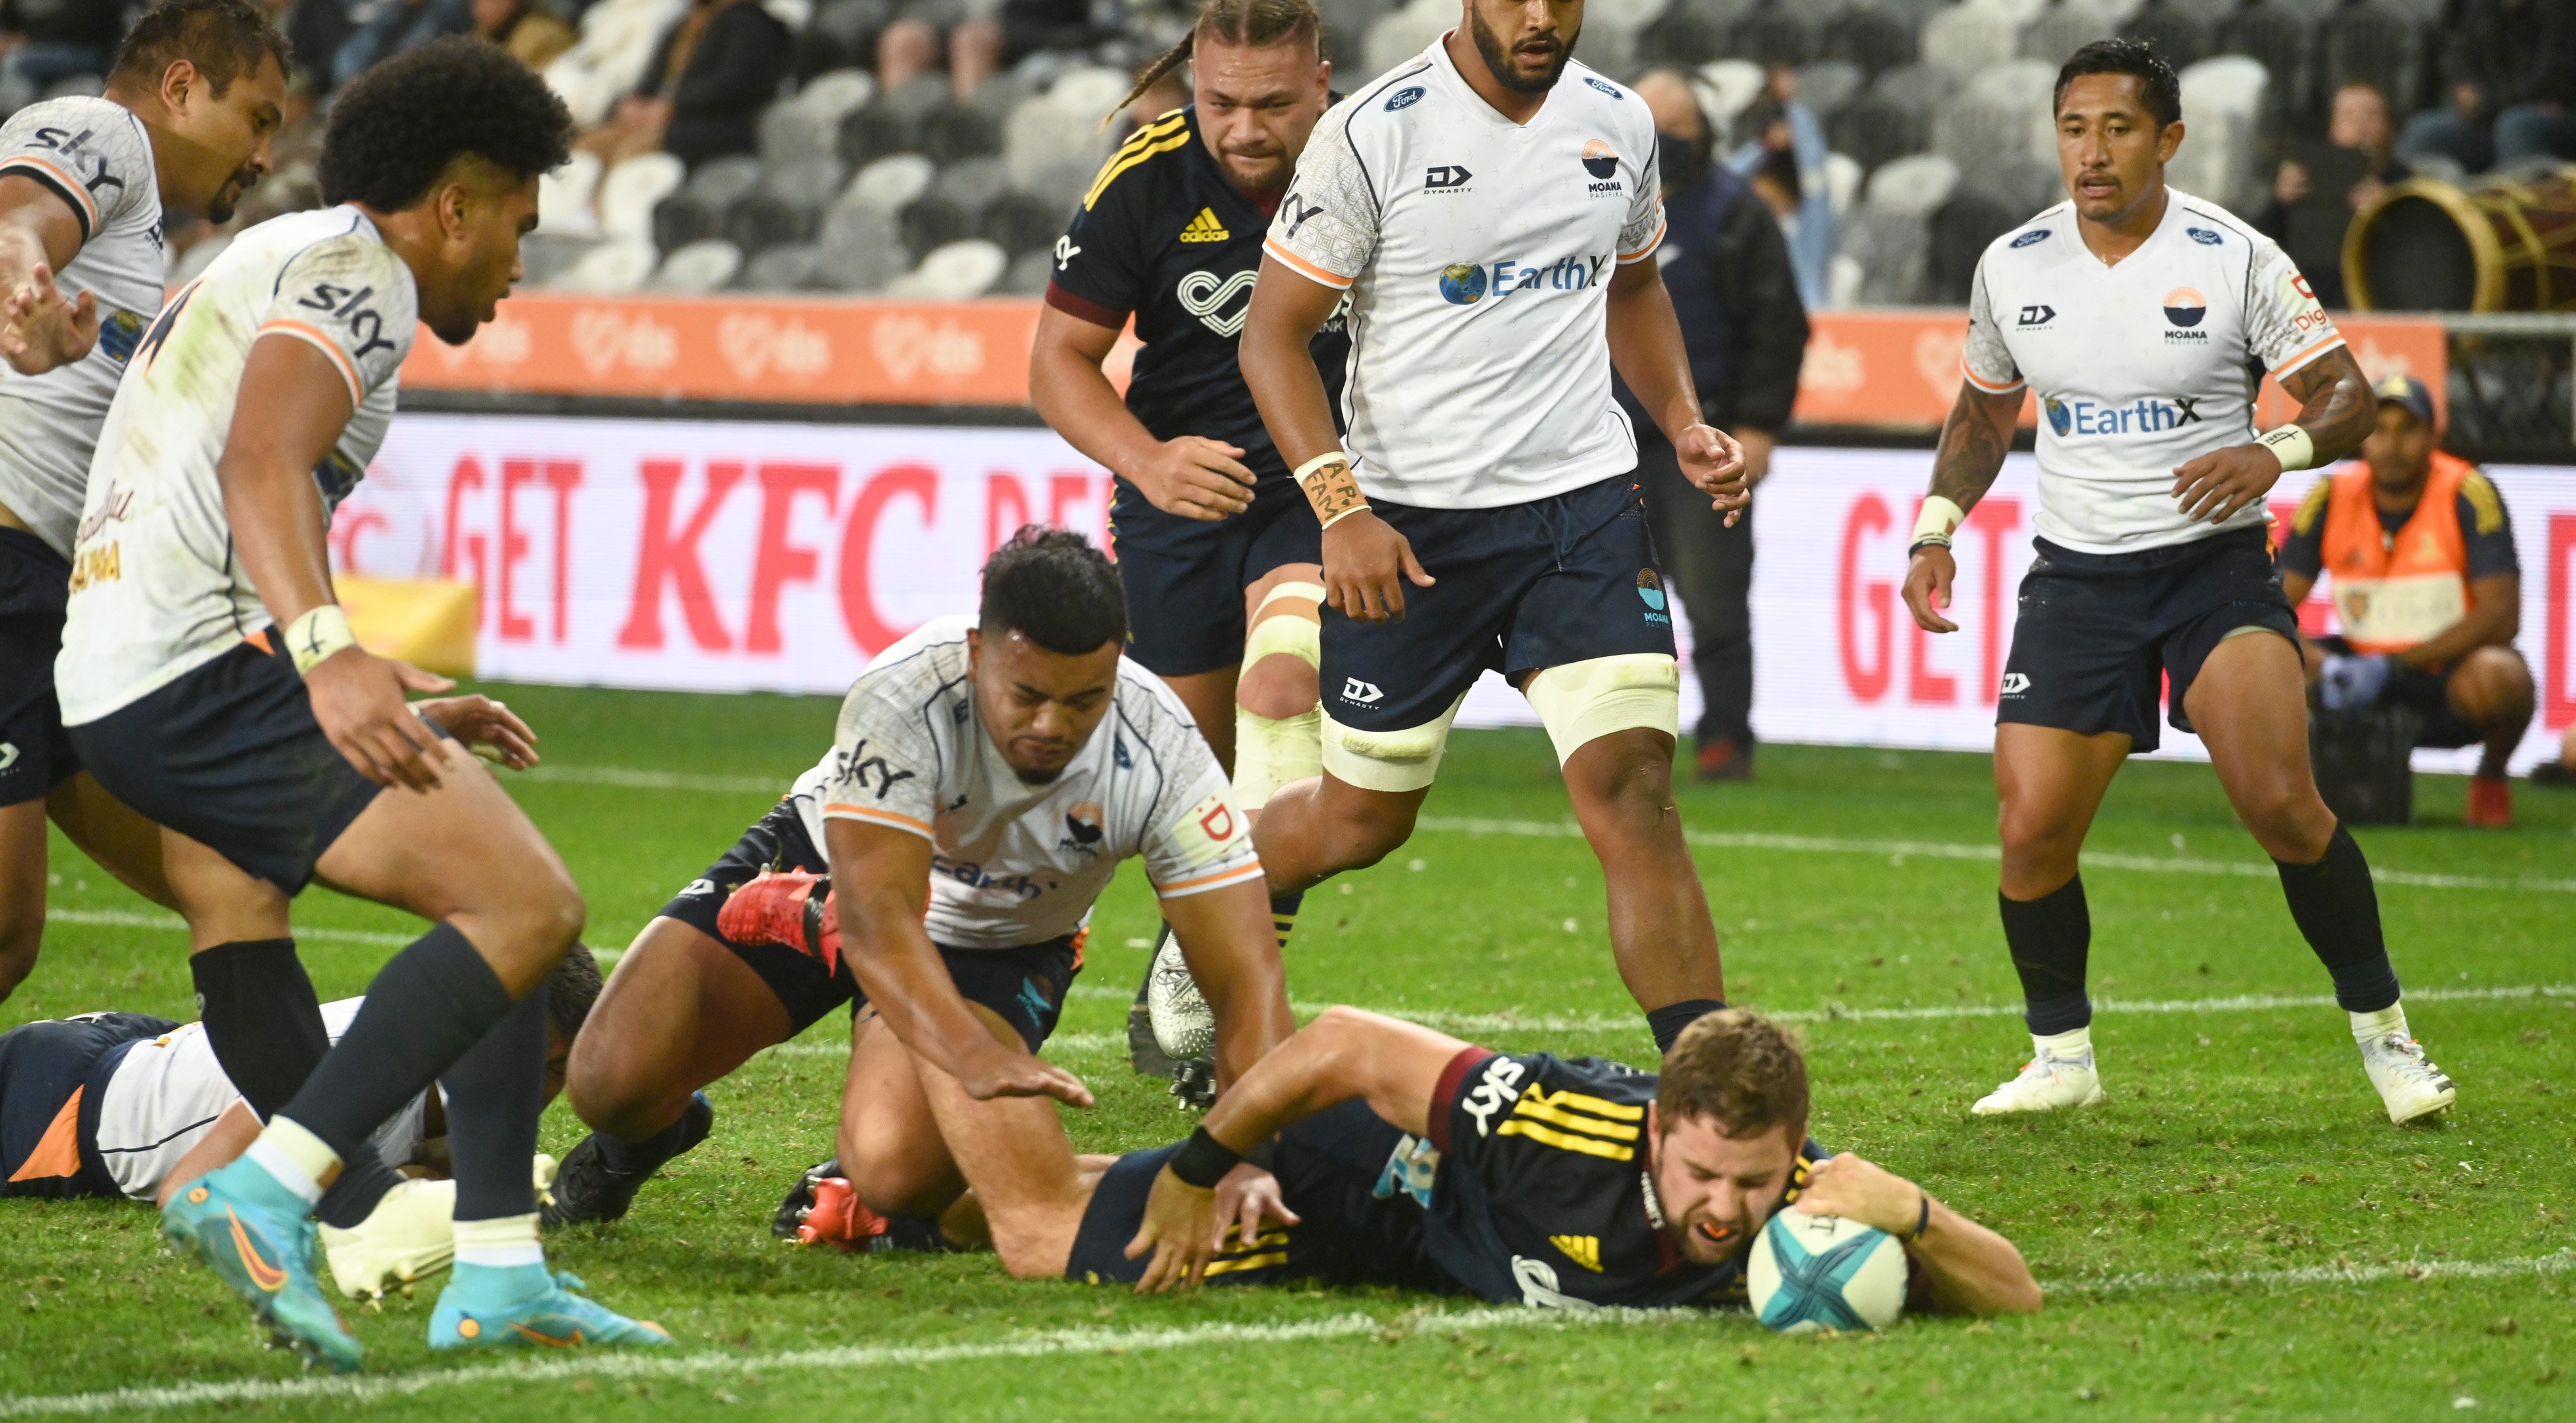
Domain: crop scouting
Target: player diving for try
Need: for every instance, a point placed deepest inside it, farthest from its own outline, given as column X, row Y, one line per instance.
column 1490, row 210
column 1403, row 1156
column 2136, row 314
column 988, row 776
column 210, row 681
column 1218, row 550
column 184, row 126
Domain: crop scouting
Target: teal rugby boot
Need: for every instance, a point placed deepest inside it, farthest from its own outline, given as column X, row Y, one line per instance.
column 254, row 1234
column 528, row 1306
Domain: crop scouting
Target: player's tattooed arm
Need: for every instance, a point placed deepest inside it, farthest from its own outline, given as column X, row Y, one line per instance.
column 1974, row 440
column 2336, row 409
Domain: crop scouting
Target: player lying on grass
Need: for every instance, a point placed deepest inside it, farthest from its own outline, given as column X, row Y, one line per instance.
column 989, row 776
column 1404, row 1156
column 213, row 685
column 127, row 1105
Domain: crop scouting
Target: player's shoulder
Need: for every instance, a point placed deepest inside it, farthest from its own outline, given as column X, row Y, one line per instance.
column 1159, row 718
column 2209, row 228
column 1384, row 110
column 1604, row 101
column 91, row 151
column 73, row 119
column 2043, row 241
column 914, row 673
column 1147, row 163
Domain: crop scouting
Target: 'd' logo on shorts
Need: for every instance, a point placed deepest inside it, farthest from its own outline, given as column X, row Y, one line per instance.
column 1361, row 693
column 2014, row 684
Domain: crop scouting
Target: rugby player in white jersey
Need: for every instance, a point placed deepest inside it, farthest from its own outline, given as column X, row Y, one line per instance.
column 2139, row 316
column 1490, row 209
column 989, row 775
column 209, row 680
column 184, row 126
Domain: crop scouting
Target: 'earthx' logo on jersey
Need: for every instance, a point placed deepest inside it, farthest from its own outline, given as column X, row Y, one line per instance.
column 1602, row 162
column 2185, row 307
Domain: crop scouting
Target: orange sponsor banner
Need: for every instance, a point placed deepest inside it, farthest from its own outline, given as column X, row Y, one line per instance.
column 1894, row 370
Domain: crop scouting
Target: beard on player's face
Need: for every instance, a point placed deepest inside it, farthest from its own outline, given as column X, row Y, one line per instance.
column 1530, row 63
column 228, row 198
column 1717, row 1190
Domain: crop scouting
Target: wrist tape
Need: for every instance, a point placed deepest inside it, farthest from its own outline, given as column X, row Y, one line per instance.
column 2290, row 445
column 1305, row 475
column 1940, row 518
column 1203, row 1160
column 316, row 635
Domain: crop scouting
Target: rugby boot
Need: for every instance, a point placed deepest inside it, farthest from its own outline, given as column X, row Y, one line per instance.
column 588, row 1188
column 409, row 1236
column 790, row 907
column 528, row 1306
column 2490, row 803
column 1722, row 760
column 2047, row 1083
column 254, row 1234
column 1144, row 1054
column 2408, row 1082
column 838, row 1218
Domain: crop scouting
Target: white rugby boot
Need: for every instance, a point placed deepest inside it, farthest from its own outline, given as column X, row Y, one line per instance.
column 2408, row 1082
column 410, row 1235
column 2059, row 1074
column 1184, row 1025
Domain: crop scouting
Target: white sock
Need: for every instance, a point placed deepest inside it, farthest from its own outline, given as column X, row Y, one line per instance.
column 2075, row 1043
column 500, row 1243
column 2371, row 1027
column 295, row 1157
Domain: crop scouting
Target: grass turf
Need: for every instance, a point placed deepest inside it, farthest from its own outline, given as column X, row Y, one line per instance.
column 2238, row 1140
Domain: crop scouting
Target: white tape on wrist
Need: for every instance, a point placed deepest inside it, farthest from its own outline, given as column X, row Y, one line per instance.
column 316, row 635
column 1940, row 519
column 2290, row 445
column 1305, row 473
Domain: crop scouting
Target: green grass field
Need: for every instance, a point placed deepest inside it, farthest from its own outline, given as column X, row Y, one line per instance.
column 2238, row 1233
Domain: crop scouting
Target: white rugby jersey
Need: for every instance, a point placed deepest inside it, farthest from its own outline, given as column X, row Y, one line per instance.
column 1478, row 254
column 156, row 590
column 165, row 1096
column 2140, row 366
column 96, row 157
column 1012, row 863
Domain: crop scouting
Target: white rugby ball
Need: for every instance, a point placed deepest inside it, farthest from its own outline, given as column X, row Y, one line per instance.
column 1184, row 1025
column 1811, row 1272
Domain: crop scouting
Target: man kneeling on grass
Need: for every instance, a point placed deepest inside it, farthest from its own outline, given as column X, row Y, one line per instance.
column 1403, row 1156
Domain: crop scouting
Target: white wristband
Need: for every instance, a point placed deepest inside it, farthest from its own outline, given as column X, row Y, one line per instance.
column 316, row 635
column 2290, row 445
column 1940, row 518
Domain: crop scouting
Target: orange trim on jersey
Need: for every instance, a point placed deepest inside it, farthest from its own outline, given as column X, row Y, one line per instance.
column 838, row 810
column 1203, row 883
column 2330, row 340
column 1651, row 243
column 329, row 347
column 1972, row 378
column 57, row 1152
column 68, row 184
column 1304, row 268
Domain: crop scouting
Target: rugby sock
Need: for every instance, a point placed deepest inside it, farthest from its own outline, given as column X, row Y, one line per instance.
column 1283, row 915
column 1669, row 1020
column 643, row 1158
column 500, row 1242
column 2073, row 1045
column 296, row 1158
column 2050, row 938
column 2371, row 1027
column 428, row 1006
column 916, row 1232
column 2337, row 909
column 495, row 1094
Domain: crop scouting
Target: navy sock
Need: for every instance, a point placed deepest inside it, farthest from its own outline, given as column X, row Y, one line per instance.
column 264, row 1022
column 916, row 1232
column 495, row 1094
column 427, row 1008
column 2050, row 938
column 1669, row 1020
column 2337, row 908
column 642, row 1158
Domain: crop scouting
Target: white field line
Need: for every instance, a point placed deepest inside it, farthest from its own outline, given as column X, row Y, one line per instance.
column 134, row 919
column 1515, row 1022
column 774, row 787
column 1431, row 1323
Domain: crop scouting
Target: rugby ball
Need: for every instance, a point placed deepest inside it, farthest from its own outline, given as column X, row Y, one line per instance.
column 1812, row 1272
column 1184, row 1025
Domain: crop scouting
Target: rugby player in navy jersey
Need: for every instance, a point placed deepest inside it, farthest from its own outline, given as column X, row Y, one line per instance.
column 1219, row 550
column 1403, row 1156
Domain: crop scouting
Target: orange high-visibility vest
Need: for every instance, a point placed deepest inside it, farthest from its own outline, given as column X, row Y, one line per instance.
column 2393, row 591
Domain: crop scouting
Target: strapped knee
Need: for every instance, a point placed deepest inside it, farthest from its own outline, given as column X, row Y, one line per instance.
column 1406, row 760
column 1288, row 634
column 1581, row 702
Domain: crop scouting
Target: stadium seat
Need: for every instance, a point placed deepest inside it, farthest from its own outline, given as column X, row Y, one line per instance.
column 543, row 256
column 2063, row 29
column 613, row 268
column 1828, row 84
column 1726, row 88
column 930, row 222
column 765, row 220
column 192, row 263
column 1912, row 187
column 2181, row 36
column 1406, row 32
column 1679, row 37
column 954, row 131
column 793, row 268
column 889, row 183
column 698, row 268
column 1961, row 230
column 722, row 182
column 1771, row 35
column 685, row 217
column 1020, row 223
column 812, row 182
column 2017, row 13
column 2375, row 43
column 607, row 61
column 1918, row 88
column 1874, row 131
column 954, row 272
column 632, row 189
column 564, row 196
column 1029, row 273
column 2002, row 116
column 2025, row 188
column 861, row 249
column 871, row 132
column 1057, row 131
column 2277, row 37
column 2223, row 102
column 1843, row 177
column 1870, row 37
column 972, row 184
column 1879, row 256
column 1965, row 39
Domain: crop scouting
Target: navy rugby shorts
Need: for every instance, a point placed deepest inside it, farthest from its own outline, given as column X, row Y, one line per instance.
column 1185, row 577
column 35, row 753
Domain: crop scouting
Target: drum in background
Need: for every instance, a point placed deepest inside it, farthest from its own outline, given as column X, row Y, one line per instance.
column 2496, row 244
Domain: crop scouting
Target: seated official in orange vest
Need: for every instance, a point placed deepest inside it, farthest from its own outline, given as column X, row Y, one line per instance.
column 2426, row 588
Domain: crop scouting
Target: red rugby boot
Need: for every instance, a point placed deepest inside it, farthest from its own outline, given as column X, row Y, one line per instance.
column 2490, row 802
column 784, row 907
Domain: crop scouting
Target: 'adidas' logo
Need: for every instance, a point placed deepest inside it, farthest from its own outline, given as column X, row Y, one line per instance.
column 1205, row 228
column 1583, row 1250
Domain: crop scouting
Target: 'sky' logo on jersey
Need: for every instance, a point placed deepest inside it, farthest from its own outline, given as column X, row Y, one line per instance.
column 1447, row 175
column 1500, row 1084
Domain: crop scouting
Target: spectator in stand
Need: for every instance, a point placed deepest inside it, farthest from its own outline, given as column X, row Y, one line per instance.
column 1726, row 263
column 2512, row 72
column 703, row 90
column 2427, row 590
column 911, row 45
column 2315, row 194
column 1778, row 124
column 531, row 35
column 43, row 42
column 399, row 26
column 315, row 30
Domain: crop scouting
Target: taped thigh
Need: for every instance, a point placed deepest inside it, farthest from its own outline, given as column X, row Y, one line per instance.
column 1405, row 760
column 1583, row 701
column 1297, row 634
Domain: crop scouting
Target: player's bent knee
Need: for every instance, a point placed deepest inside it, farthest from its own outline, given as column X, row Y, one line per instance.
column 1391, row 761
column 1581, row 702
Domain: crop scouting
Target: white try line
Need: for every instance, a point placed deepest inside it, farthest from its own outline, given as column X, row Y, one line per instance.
column 135, row 919
column 1512, row 1021
column 1076, row 1343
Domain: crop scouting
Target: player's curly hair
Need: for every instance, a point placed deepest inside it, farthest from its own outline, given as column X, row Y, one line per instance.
column 1054, row 588
column 1738, row 1070
column 1257, row 23
column 2162, row 90
column 396, row 127
column 570, row 991
column 225, row 39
